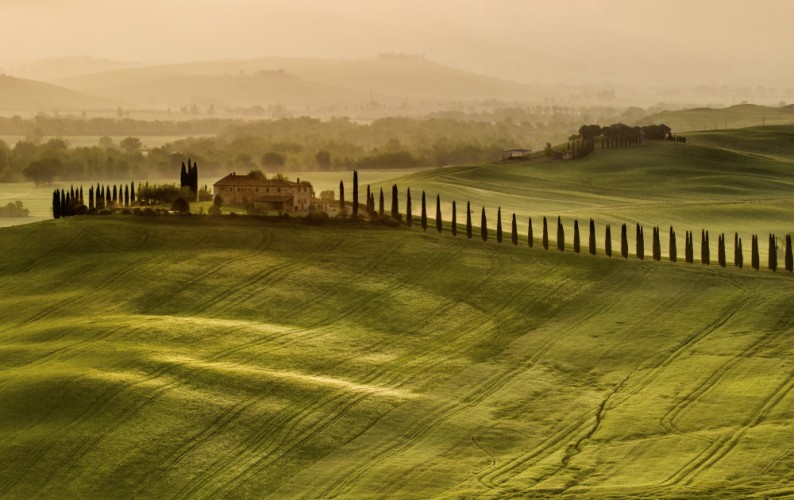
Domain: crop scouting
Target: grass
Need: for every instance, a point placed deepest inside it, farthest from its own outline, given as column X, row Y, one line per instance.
column 691, row 187
column 687, row 121
column 188, row 357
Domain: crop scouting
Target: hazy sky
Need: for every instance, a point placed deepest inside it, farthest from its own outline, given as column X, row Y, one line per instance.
column 709, row 41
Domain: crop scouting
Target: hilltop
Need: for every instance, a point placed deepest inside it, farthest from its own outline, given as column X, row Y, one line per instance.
column 294, row 81
column 732, row 117
column 178, row 357
column 19, row 94
column 774, row 141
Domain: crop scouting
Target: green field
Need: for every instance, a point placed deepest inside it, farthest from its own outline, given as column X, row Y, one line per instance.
column 691, row 187
column 190, row 357
column 686, row 121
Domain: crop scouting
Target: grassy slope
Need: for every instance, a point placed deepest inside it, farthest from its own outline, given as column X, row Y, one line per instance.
column 775, row 141
column 18, row 94
column 732, row 117
column 689, row 186
column 174, row 359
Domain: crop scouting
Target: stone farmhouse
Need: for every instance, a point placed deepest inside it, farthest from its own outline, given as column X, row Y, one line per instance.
column 268, row 194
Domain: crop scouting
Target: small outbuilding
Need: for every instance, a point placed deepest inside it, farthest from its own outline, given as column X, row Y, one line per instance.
column 516, row 154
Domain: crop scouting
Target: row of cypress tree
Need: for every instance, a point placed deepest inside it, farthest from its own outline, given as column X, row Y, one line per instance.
column 188, row 177
column 656, row 248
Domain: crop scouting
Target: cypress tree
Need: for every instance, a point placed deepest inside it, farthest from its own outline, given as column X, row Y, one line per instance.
column 183, row 176
column 789, row 257
column 608, row 241
column 115, row 195
column 756, row 258
column 740, row 255
column 690, row 250
column 673, row 249
column 576, row 242
column 705, row 256
column 71, row 192
column 483, row 226
column 68, row 204
column 126, row 196
column 772, row 252
column 499, row 224
column 82, row 200
column 640, row 243
column 381, row 208
column 424, row 213
column 194, row 185
column 515, row 230
column 395, row 206
column 592, row 237
column 56, row 205
column 530, row 236
column 454, row 218
column 624, row 242
column 355, row 194
column 657, row 245
column 721, row 250
column 369, row 207
column 560, row 235
column 90, row 197
column 62, row 203
column 468, row 220
column 438, row 213
column 408, row 215
column 736, row 250
column 341, row 196
column 545, row 234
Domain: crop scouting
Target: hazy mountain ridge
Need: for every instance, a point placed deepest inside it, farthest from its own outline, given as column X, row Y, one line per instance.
column 19, row 94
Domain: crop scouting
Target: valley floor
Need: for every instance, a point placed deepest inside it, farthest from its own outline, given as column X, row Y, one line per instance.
column 185, row 358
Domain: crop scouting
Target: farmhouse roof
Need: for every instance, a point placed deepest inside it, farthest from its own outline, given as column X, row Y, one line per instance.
column 246, row 180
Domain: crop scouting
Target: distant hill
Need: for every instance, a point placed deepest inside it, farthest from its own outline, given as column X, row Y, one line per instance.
column 18, row 95
column 61, row 67
column 774, row 141
column 294, row 81
column 739, row 116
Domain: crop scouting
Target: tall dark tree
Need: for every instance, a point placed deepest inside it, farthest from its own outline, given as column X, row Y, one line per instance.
column 788, row 258
column 483, row 226
column 592, row 240
column 514, row 227
column 82, row 200
column 657, row 245
column 341, row 197
column 183, row 176
column 772, row 252
column 640, row 243
column 530, row 235
column 545, row 234
column 408, row 214
column 56, row 204
column 126, row 196
column 90, row 197
column 624, row 242
column 737, row 251
column 560, row 235
column 132, row 191
column 721, row 250
column 370, row 208
column 756, row 256
column 499, row 224
column 372, row 204
column 576, row 242
column 673, row 250
column 705, row 254
column 468, row 220
column 608, row 241
column 738, row 255
column 381, row 208
column 355, row 195
column 454, row 218
column 115, row 195
column 439, row 221
column 690, row 248
column 395, row 206
column 424, row 213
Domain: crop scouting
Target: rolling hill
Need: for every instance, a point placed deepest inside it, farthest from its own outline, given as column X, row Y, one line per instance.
column 689, row 186
column 739, row 116
column 19, row 94
column 189, row 357
column 774, row 141
column 294, row 81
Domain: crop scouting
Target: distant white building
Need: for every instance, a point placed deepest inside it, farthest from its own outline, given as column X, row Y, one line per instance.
column 516, row 154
